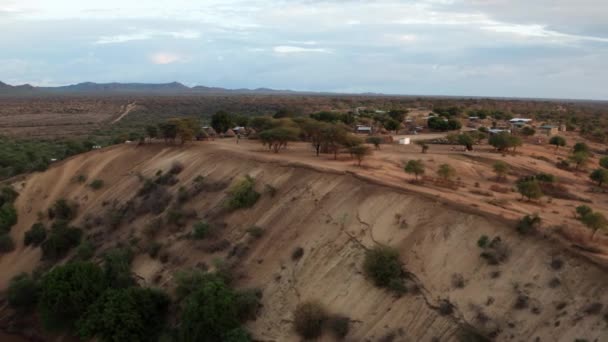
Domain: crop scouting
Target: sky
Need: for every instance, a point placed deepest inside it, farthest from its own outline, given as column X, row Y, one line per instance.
column 507, row 48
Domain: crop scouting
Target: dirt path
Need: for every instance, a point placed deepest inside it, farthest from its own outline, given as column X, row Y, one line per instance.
column 128, row 109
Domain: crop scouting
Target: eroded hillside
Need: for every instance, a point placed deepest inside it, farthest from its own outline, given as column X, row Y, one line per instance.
column 534, row 290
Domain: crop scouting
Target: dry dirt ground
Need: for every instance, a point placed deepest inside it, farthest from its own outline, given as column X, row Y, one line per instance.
column 335, row 211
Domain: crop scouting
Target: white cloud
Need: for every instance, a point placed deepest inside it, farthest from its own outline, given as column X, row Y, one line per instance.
column 145, row 35
column 286, row 49
column 165, row 58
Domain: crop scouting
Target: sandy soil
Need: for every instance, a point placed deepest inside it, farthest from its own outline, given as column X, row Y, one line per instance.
column 335, row 210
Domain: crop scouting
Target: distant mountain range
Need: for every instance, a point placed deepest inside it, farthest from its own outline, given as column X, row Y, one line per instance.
column 174, row 88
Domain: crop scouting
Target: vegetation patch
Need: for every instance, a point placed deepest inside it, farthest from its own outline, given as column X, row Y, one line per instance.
column 36, row 235
column 309, row 319
column 383, row 267
column 242, row 194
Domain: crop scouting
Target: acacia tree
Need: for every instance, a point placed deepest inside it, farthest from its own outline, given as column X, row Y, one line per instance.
column 415, row 167
column 446, row 172
column 595, row 221
column 529, row 188
column 501, row 169
column 333, row 137
column 600, row 176
column 313, row 132
column 466, row 140
column 579, row 158
column 360, row 152
column 557, row 141
column 277, row 138
column 221, row 121
column 423, row 146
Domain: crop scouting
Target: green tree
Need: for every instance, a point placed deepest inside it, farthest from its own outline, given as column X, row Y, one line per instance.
column 504, row 141
column 277, row 138
column 446, row 172
column 415, row 167
column 152, row 132
column 392, row 125
column 557, row 141
column 604, row 162
column 36, row 235
column 61, row 239
column 529, row 188
column 360, row 152
column 221, row 121
column 501, row 169
column 313, row 132
column 117, row 268
column 209, row 313
column 242, row 194
column 309, row 319
column 528, row 131
column 423, row 146
column 466, row 140
column 382, row 265
column 600, row 176
column 581, row 147
column 133, row 314
column 580, row 158
column 583, row 210
column 333, row 137
column 67, row 291
column 595, row 221
column 22, row 293
column 376, row 141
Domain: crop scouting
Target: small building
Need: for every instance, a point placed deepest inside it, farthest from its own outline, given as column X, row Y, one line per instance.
column 498, row 130
column 362, row 129
column 520, row 120
column 548, row 130
column 404, row 141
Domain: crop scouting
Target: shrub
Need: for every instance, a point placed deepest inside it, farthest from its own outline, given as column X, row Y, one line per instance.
column 22, row 293
column 604, row 162
column 501, row 169
column 202, row 230
column 117, row 268
column 545, row 177
column 376, row 141
column 81, row 178
column 8, row 217
column 528, row 224
column 483, row 241
column 496, row 252
column 255, row 231
column 309, row 319
column 67, row 291
column 248, row 303
column 60, row 240
column 36, row 235
column 182, row 195
column 6, row 243
column 188, row 281
column 155, row 201
column 382, row 265
column 339, row 326
column 583, row 210
column 176, row 168
column 242, row 194
column 85, row 251
column 134, row 314
column 557, row 141
column 62, row 210
column 297, row 253
column 97, row 184
column 153, row 249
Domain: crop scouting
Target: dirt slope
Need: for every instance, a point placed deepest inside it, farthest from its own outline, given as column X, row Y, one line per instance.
column 334, row 216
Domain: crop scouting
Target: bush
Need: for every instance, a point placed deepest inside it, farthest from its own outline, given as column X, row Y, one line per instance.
column 8, row 217
column 309, row 319
column 176, row 168
column 60, row 240
column 36, row 235
column 297, row 253
column 242, row 194
column 248, row 304
column 483, row 241
column 6, row 243
column 528, row 224
column 496, row 252
column 117, row 268
column 85, row 251
column 62, row 210
column 529, row 188
column 339, row 326
column 255, row 231
column 67, row 291
column 202, row 230
column 382, row 265
column 22, row 293
column 133, row 314
column 96, row 184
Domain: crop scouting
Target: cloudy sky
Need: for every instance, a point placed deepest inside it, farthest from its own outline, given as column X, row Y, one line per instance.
column 527, row 48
